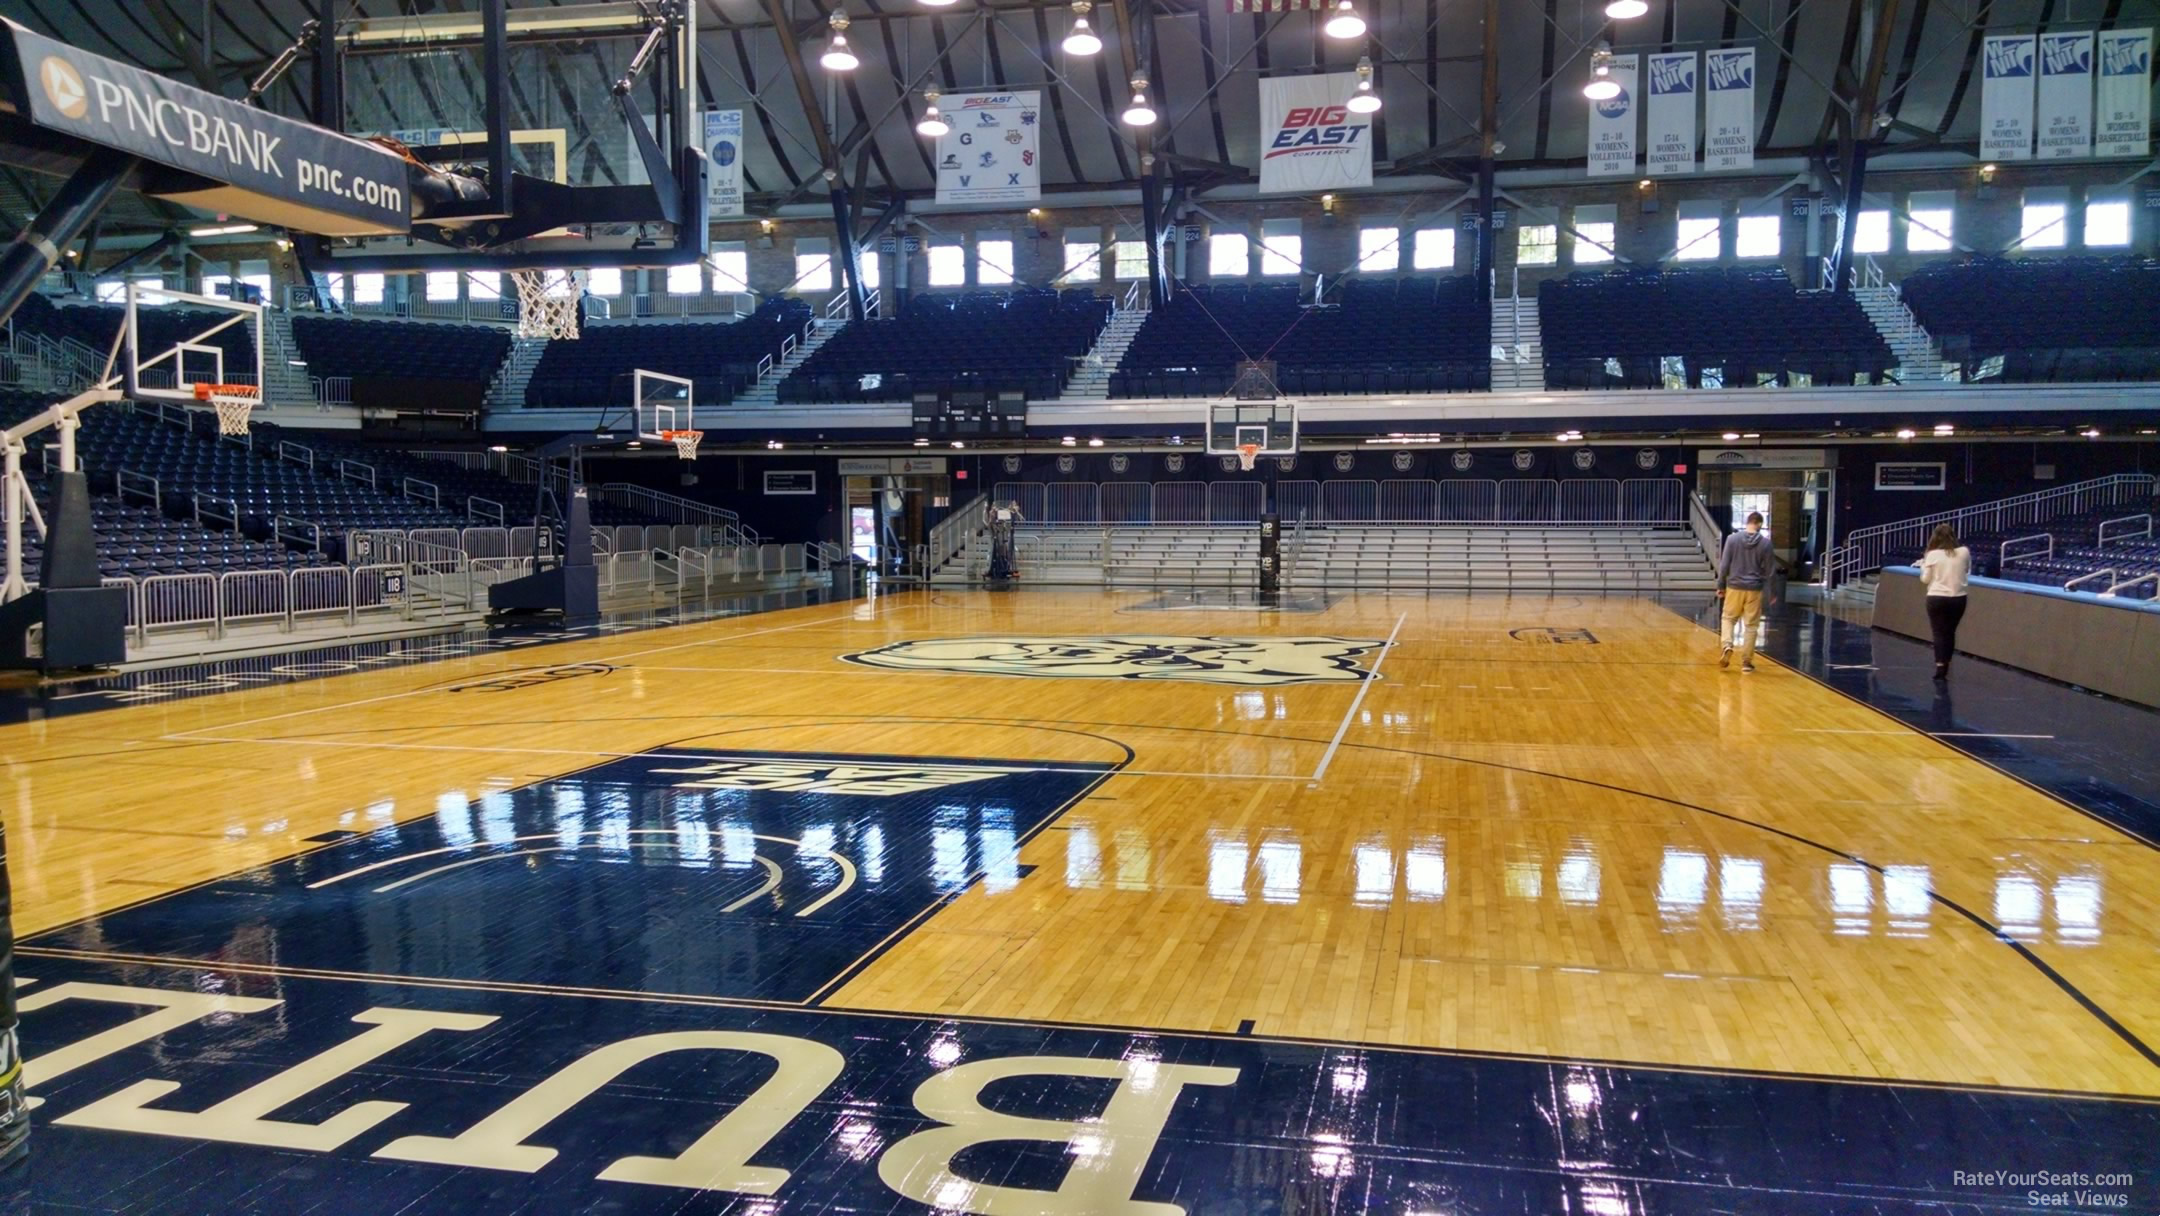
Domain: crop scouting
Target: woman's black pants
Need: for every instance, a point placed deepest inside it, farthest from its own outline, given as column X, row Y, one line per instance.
column 1944, row 612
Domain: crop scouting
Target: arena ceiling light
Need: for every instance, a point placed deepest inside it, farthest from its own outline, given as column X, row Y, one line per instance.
column 1082, row 40
column 837, row 56
column 1345, row 23
column 1139, row 113
column 1626, row 10
column 937, row 3
column 225, row 230
column 1602, row 86
column 933, row 124
column 1364, row 101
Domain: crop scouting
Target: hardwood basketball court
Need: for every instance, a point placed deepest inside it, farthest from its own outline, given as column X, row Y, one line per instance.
column 1529, row 830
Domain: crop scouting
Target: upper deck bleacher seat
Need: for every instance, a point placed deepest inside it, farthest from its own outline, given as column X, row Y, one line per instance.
column 1017, row 341
column 719, row 357
column 1370, row 335
column 397, row 364
column 1729, row 327
column 2072, row 319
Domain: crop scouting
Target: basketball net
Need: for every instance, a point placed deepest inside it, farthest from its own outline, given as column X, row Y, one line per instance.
column 1246, row 454
column 685, row 442
column 233, row 403
column 545, row 315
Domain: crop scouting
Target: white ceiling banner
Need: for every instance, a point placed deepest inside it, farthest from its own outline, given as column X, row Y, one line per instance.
column 992, row 153
column 2125, row 106
column 2006, row 97
column 1729, row 109
column 1310, row 141
column 2065, row 95
column 722, row 141
column 1612, row 123
column 1669, row 144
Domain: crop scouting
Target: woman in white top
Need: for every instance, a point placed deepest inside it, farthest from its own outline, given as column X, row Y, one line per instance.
column 1944, row 572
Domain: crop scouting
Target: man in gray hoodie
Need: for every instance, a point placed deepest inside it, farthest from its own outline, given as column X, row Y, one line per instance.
column 1743, row 577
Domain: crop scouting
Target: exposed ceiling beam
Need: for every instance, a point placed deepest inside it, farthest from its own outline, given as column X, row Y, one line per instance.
column 828, row 154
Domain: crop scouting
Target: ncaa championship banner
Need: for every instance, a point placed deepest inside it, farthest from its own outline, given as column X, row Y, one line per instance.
column 991, row 155
column 1612, row 124
column 2065, row 95
column 1309, row 139
column 2125, row 123
column 722, row 139
column 1669, row 143
column 2006, row 97
column 1729, row 109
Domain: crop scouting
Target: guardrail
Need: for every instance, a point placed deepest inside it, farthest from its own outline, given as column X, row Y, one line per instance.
column 1462, row 502
column 141, row 485
column 2128, row 528
column 1865, row 550
column 2106, row 578
column 353, row 470
column 213, row 605
column 2126, row 584
column 2045, row 549
column 299, row 454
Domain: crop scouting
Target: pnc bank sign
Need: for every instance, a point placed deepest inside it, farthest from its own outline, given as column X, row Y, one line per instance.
column 249, row 162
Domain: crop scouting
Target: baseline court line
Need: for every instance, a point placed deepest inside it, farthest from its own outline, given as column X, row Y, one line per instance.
column 602, row 754
column 414, row 692
column 1364, row 686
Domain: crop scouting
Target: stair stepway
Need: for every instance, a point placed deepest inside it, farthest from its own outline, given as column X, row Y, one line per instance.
column 517, row 372
column 1518, row 345
column 766, row 393
column 1091, row 380
column 1918, row 357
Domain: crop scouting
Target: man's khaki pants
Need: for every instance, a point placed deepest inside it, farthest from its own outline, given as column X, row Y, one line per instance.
column 1746, row 607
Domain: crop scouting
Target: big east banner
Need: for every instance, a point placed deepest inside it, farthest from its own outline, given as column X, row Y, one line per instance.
column 1309, row 139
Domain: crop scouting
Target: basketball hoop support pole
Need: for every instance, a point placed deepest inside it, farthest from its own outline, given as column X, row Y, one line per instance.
column 37, row 247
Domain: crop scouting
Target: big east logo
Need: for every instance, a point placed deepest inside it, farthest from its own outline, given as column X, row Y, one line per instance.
column 1315, row 128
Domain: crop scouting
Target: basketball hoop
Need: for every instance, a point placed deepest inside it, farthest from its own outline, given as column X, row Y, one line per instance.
column 233, row 403
column 1246, row 454
column 541, row 312
column 685, row 442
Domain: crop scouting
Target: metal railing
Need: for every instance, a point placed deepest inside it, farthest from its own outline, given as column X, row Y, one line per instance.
column 1865, row 550
column 2127, row 528
column 128, row 482
column 1586, row 502
column 2043, row 550
column 2104, row 577
column 213, row 605
column 353, row 470
column 2126, row 584
column 332, row 390
column 296, row 532
column 298, row 454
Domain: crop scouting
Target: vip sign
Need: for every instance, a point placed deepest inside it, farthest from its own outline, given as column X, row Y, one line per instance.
column 1310, row 140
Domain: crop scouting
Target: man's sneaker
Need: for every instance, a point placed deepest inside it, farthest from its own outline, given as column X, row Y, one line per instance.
column 1724, row 658
column 1747, row 668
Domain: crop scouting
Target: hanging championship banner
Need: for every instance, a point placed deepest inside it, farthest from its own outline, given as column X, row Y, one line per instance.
column 1669, row 142
column 2125, row 123
column 1729, row 109
column 2006, row 98
column 722, row 141
column 1612, row 123
column 1309, row 139
column 990, row 155
column 2065, row 94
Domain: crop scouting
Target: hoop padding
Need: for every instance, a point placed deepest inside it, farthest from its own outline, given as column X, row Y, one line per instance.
column 1247, row 453
column 685, row 442
column 233, row 403
column 541, row 315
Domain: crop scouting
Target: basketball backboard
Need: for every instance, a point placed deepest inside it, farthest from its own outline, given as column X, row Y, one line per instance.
column 664, row 403
column 569, row 133
column 173, row 341
column 1272, row 425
